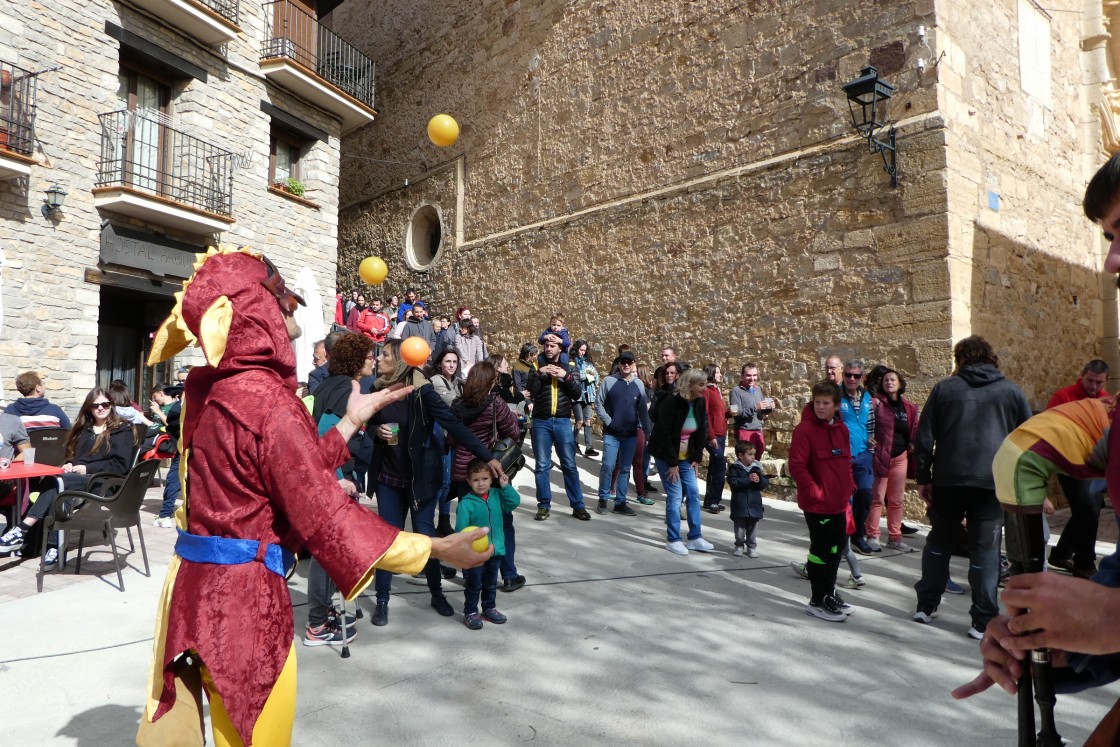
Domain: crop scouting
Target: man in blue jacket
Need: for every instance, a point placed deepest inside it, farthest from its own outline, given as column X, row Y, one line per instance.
column 859, row 417
column 33, row 408
column 622, row 407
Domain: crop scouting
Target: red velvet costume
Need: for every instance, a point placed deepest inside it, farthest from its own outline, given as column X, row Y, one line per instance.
column 255, row 469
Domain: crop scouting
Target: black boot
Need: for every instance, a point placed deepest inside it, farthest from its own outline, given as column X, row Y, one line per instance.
column 380, row 614
column 443, row 527
column 441, row 605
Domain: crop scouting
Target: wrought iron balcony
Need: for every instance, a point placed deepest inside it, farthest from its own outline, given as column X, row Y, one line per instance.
column 303, row 55
column 17, row 120
column 211, row 22
column 154, row 169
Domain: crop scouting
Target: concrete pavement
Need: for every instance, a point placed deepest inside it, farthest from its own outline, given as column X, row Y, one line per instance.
column 614, row 640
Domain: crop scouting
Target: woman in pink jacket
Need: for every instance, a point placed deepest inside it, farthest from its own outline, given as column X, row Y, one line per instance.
column 896, row 427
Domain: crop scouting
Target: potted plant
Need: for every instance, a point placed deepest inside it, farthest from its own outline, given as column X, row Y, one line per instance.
column 291, row 186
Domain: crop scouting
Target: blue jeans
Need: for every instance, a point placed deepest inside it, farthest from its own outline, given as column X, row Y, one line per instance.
column 985, row 531
column 546, row 432
column 171, row 489
column 444, row 495
column 864, row 475
column 686, row 487
column 481, row 581
column 393, row 504
column 618, row 451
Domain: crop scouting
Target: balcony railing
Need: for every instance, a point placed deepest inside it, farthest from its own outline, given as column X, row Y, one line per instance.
column 227, row 9
column 295, row 34
column 17, row 109
column 144, row 151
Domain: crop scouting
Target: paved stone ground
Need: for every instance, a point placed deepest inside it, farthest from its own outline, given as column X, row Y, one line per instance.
column 614, row 640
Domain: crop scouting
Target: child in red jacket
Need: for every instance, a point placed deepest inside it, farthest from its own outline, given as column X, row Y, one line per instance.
column 820, row 460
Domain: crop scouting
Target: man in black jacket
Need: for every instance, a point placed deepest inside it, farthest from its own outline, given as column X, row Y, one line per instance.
column 553, row 388
column 963, row 423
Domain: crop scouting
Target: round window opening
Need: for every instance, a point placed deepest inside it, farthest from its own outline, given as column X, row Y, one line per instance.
column 424, row 237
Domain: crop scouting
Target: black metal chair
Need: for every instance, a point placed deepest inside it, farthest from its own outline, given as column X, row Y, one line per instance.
column 115, row 506
column 49, row 445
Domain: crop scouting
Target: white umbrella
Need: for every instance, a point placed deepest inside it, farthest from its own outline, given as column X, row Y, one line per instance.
column 310, row 320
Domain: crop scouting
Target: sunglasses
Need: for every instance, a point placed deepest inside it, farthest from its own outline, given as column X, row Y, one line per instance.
column 275, row 284
column 853, row 375
column 101, row 405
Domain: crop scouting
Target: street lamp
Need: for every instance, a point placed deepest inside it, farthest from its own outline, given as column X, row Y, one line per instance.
column 56, row 195
column 867, row 99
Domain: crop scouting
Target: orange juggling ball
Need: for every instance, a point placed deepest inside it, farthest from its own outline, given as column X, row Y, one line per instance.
column 415, row 351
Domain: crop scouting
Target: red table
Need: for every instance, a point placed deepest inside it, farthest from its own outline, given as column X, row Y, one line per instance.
column 23, row 473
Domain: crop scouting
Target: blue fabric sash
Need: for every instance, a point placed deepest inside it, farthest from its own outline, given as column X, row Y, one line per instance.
column 227, row 551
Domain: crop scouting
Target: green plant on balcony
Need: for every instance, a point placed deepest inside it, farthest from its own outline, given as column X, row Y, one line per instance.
column 291, row 186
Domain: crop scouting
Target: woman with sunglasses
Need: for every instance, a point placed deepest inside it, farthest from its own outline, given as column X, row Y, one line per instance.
column 99, row 442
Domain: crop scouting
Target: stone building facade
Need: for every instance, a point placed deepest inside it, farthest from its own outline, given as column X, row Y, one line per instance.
column 688, row 174
column 170, row 125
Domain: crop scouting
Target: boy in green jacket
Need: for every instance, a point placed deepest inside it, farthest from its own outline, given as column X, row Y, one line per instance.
column 483, row 507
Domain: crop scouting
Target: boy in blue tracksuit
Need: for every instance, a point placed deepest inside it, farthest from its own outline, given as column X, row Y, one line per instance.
column 483, row 507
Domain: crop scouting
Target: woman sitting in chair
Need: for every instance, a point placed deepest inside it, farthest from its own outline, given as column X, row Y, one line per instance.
column 99, row 442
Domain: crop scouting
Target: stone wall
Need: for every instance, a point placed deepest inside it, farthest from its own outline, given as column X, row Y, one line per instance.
column 50, row 312
column 614, row 153
column 1025, row 262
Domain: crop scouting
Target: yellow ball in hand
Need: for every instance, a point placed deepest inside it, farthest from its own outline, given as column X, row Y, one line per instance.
column 480, row 544
column 373, row 271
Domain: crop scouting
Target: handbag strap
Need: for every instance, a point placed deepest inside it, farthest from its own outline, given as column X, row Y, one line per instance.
column 493, row 423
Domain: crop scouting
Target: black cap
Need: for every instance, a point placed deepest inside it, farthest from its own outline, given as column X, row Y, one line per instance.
column 626, row 355
column 173, row 390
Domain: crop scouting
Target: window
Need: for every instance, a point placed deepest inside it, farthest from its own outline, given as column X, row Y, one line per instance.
column 138, row 148
column 284, row 154
column 423, row 238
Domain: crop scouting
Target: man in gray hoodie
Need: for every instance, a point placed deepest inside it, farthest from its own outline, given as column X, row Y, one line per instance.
column 963, row 423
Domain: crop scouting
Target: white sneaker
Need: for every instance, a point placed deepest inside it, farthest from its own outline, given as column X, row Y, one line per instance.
column 799, row 569
column 738, row 552
column 975, row 634
column 677, row 548
column 752, row 553
column 921, row 616
column 700, row 545
column 856, row 582
column 826, row 610
column 165, row 522
column 845, row 608
column 51, row 558
column 900, row 546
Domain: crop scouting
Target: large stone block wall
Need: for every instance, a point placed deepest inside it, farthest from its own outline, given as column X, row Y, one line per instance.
column 759, row 266
column 606, row 145
column 1025, row 262
column 50, row 312
column 567, row 105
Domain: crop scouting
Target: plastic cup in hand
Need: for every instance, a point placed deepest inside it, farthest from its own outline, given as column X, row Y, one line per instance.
column 734, row 409
column 394, row 433
column 29, row 456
